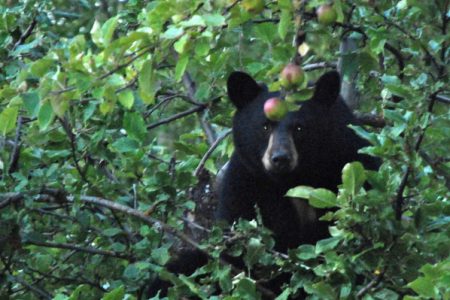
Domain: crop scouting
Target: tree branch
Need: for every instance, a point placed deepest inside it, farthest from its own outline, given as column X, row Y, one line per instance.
column 374, row 282
column 42, row 294
column 208, row 153
column 26, row 34
column 191, row 91
column 176, row 116
column 399, row 198
column 15, row 155
column 79, row 249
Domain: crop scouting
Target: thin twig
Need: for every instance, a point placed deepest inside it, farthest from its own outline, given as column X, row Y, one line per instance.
column 191, row 91
column 399, row 198
column 10, row 198
column 78, row 248
column 208, row 153
column 176, row 116
column 15, row 155
column 320, row 65
column 374, row 282
column 38, row 291
column 67, row 128
column 26, row 34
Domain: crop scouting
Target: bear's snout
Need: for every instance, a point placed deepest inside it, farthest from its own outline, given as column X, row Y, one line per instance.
column 281, row 159
column 280, row 155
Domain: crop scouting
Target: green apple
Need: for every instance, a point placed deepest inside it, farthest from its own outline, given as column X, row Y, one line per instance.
column 253, row 6
column 275, row 109
column 291, row 75
column 326, row 14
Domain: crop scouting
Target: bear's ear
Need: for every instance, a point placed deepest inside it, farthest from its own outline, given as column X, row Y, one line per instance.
column 242, row 88
column 328, row 87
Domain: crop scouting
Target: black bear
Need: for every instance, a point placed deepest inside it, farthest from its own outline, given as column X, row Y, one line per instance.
column 309, row 146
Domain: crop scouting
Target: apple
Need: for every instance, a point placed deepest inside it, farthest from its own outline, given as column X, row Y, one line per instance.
column 275, row 109
column 291, row 75
column 326, row 14
column 253, row 6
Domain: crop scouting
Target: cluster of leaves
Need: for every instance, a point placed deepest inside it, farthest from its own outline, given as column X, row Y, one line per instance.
column 107, row 109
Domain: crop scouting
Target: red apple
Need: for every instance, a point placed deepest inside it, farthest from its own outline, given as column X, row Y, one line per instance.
column 253, row 6
column 291, row 75
column 326, row 14
column 275, row 109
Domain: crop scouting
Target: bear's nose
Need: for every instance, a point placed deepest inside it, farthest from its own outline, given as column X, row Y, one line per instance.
column 280, row 159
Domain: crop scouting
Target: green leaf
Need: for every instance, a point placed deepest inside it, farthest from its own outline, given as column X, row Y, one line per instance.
column 202, row 47
column 322, row 198
column 254, row 251
column 246, row 289
column 116, row 294
column 160, row 255
column 424, row 287
column 195, row 20
column 125, row 145
column 266, row 32
column 172, row 33
column 40, row 67
column 399, row 90
column 46, row 115
column 284, row 295
column 285, row 4
column 134, row 124
column 300, row 192
column 285, row 23
column 306, row 252
column 8, row 119
column 224, row 277
column 214, row 19
column 108, row 30
column 339, row 11
column 181, row 45
column 96, row 33
column 327, row 244
column 59, row 105
column 353, row 177
column 147, row 83
column 126, row 98
column 302, row 95
column 322, row 290
column 112, row 231
column 181, row 67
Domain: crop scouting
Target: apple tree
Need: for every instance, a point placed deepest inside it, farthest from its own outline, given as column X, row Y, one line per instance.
column 114, row 124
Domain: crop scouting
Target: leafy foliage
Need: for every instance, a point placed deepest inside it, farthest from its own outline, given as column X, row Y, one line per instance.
column 107, row 109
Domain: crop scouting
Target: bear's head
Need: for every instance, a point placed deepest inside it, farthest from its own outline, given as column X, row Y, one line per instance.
column 314, row 136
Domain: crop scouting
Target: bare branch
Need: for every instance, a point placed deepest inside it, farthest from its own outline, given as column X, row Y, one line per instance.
column 26, row 33
column 67, row 128
column 191, row 91
column 399, row 198
column 10, row 198
column 320, row 65
column 78, row 248
column 374, row 282
column 15, row 155
column 38, row 291
column 176, row 116
column 208, row 153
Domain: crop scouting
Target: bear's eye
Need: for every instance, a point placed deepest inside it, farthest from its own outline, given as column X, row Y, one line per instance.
column 265, row 127
column 298, row 128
